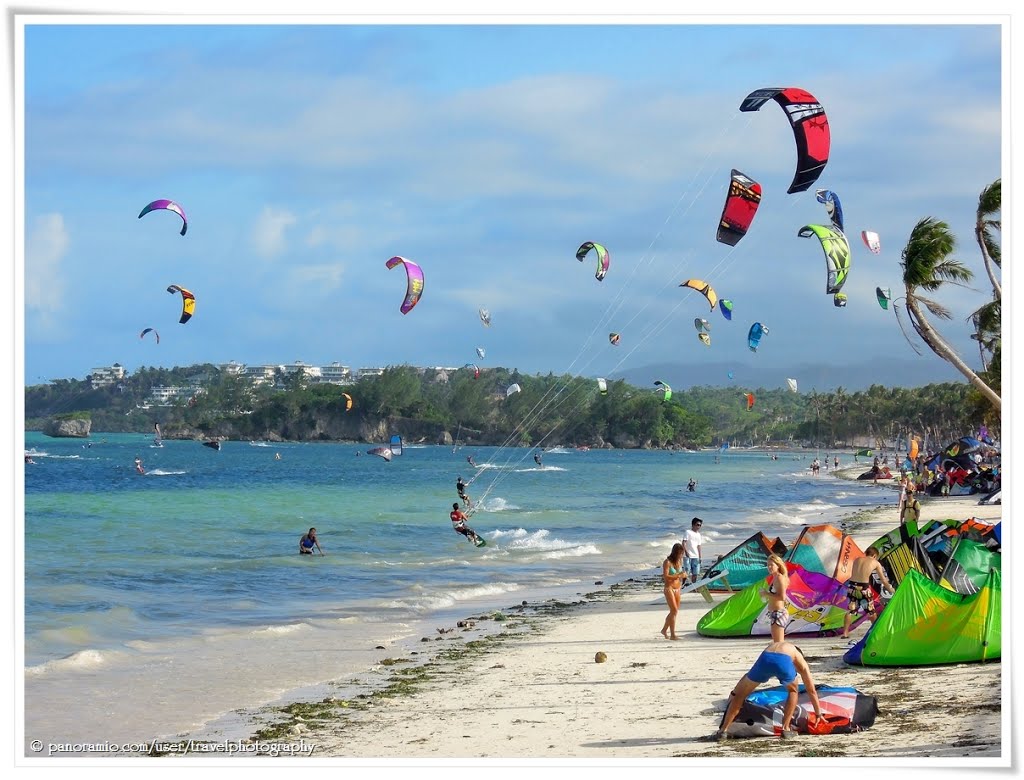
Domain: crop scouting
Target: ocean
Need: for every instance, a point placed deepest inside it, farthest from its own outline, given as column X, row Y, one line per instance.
column 163, row 604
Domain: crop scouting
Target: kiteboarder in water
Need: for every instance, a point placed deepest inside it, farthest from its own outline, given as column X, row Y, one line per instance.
column 537, row 459
column 459, row 519
column 138, row 465
column 460, row 486
column 692, row 485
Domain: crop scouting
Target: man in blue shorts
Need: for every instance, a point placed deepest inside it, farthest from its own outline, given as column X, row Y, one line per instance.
column 692, row 547
column 783, row 661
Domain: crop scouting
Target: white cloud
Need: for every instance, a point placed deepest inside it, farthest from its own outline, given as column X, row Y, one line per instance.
column 269, row 235
column 46, row 245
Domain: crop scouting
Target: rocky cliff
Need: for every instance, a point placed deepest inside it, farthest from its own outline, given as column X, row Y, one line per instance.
column 68, row 429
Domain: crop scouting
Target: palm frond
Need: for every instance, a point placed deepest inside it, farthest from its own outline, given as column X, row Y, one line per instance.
column 935, row 308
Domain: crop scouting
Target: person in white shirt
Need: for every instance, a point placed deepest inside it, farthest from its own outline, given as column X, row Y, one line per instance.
column 692, row 542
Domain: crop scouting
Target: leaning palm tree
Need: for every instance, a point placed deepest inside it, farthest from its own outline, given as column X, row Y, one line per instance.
column 989, row 204
column 927, row 266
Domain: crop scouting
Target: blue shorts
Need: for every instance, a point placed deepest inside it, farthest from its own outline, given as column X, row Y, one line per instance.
column 770, row 665
column 692, row 566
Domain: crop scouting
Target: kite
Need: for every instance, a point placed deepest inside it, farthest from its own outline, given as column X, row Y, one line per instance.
column 726, row 306
column 810, row 129
column 170, row 205
column 704, row 289
column 740, row 206
column 614, row 338
column 476, row 370
column 384, row 452
column 480, row 352
column 750, row 400
column 839, row 300
column 832, row 206
column 791, row 383
column 730, row 375
column 512, row 389
column 700, row 324
column 188, row 302
column 837, row 255
column 602, row 385
column 705, row 339
column 348, row 401
column 396, row 445
column 603, row 259
column 884, row 296
column 485, row 317
column 414, row 276
column 150, row 330
column 754, row 335
column 664, row 389
column 872, row 241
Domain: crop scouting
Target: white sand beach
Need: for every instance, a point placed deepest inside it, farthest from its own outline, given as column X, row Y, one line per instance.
column 540, row 695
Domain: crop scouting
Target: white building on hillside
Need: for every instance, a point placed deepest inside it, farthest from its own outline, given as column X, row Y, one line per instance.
column 259, row 375
column 335, row 374
column 102, row 377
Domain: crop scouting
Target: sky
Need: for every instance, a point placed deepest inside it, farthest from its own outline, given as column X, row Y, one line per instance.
column 306, row 155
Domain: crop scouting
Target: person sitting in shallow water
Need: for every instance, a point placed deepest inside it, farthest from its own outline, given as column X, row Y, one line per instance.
column 307, row 542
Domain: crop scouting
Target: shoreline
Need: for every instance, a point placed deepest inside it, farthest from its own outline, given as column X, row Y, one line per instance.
column 517, row 690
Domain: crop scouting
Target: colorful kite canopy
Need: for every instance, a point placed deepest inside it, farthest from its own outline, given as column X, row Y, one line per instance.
column 396, row 444
column 614, row 339
column 603, row 259
column 726, row 306
column 480, row 352
column 833, row 207
column 750, row 400
column 704, row 289
column 348, row 401
column 872, row 241
column 757, row 330
column 740, row 206
column 810, row 129
column 837, row 254
column 485, row 317
column 414, row 278
column 883, row 296
column 843, row 710
column 664, row 389
column 791, row 383
column 839, row 300
column 169, row 205
column 701, row 324
column 476, row 370
column 705, row 339
column 150, row 330
column 188, row 302
column 512, row 389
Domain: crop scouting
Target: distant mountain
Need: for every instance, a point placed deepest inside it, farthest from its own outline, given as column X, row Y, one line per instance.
column 885, row 371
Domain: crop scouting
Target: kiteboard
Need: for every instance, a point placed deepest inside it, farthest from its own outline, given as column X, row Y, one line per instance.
column 479, row 541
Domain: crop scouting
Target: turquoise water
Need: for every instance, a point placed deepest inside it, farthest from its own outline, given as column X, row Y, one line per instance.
column 184, row 587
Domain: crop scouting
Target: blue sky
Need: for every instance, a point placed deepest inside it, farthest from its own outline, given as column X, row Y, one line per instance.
column 307, row 155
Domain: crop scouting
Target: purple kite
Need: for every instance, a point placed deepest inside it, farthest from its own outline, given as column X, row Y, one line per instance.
column 170, row 205
column 414, row 276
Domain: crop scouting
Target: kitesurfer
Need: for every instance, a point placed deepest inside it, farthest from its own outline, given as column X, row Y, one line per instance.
column 537, row 459
column 459, row 519
column 778, row 615
column 277, row 456
column 781, row 660
column 307, row 542
column 691, row 485
column 460, row 486
column 469, row 460
column 138, row 465
column 859, row 589
column 28, row 459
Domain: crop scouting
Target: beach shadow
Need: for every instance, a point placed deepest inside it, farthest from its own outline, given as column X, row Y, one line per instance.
column 645, row 742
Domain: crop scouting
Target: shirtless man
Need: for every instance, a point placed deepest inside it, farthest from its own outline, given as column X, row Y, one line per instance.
column 859, row 589
column 783, row 661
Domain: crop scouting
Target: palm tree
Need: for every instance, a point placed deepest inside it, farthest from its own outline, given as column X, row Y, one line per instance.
column 927, row 265
column 989, row 204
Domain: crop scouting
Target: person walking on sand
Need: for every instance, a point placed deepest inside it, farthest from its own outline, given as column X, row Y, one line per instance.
column 778, row 614
column 673, row 573
column 859, row 589
column 781, row 660
column 307, row 541
column 911, row 511
column 692, row 548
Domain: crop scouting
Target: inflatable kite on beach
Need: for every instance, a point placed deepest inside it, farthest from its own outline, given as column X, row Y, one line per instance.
column 704, row 289
column 188, row 302
column 810, row 129
column 169, row 205
column 740, row 206
column 414, row 279
column 603, row 259
column 844, row 710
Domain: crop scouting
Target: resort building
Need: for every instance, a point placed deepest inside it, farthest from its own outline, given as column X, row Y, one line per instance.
column 103, row 377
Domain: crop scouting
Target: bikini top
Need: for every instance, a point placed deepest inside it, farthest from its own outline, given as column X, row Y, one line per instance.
column 672, row 571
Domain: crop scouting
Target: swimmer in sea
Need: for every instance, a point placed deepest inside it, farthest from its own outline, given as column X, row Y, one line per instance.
column 138, row 465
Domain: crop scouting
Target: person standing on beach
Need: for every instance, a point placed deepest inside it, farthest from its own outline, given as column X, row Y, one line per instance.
column 781, row 660
column 692, row 542
column 673, row 573
column 911, row 511
column 859, row 590
column 307, row 541
column 778, row 614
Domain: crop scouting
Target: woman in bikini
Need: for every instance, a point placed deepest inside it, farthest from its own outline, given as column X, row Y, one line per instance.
column 673, row 574
column 778, row 615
